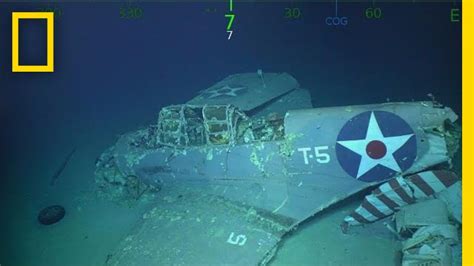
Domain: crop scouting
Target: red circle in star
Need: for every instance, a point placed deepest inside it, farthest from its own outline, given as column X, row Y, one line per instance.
column 376, row 149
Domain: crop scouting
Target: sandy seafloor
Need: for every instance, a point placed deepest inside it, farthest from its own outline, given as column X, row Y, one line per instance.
column 93, row 227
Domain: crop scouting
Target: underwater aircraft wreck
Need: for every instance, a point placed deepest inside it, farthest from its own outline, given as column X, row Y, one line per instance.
column 248, row 159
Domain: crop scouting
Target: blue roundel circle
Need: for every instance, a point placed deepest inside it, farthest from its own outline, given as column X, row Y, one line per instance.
column 375, row 146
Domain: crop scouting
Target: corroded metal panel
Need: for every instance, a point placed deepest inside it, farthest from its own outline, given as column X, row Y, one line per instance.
column 247, row 90
column 239, row 200
column 188, row 227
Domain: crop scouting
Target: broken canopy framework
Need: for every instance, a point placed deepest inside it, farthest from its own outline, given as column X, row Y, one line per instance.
column 260, row 180
column 239, row 197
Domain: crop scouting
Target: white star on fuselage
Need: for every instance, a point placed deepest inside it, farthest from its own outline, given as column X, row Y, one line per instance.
column 392, row 144
column 232, row 91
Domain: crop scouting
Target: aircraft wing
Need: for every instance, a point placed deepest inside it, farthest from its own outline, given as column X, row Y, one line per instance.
column 247, row 91
column 189, row 227
column 226, row 205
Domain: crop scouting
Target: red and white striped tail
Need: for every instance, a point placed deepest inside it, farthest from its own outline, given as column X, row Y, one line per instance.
column 398, row 192
column 430, row 182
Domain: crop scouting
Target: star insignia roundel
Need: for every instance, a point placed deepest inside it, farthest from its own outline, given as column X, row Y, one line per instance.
column 225, row 91
column 375, row 146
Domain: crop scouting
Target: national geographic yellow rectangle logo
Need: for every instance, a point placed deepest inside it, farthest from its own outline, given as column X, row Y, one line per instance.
column 16, row 16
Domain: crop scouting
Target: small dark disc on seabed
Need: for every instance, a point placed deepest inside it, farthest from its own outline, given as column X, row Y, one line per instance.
column 51, row 214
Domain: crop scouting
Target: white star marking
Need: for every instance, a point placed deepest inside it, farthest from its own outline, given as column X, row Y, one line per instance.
column 392, row 144
column 232, row 91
